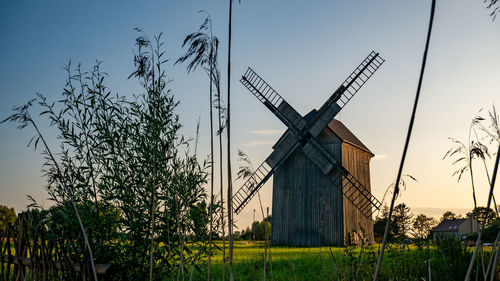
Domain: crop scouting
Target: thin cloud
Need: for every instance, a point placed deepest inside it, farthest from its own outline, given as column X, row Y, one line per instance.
column 380, row 157
column 258, row 143
column 267, row 132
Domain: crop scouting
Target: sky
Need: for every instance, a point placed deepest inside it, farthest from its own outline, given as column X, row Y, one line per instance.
column 304, row 49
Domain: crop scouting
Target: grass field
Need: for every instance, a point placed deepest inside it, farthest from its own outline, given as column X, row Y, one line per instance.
column 245, row 250
column 448, row 259
column 448, row 262
column 288, row 263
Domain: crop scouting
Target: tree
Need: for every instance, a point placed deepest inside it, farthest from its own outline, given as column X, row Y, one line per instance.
column 199, row 215
column 448, row 215
column 402, row 221
column 490, row 232
column 483, row 216
column 247, row 234
column 380, row 222
column 422, row 226
column 260, row 230
column 7, row 216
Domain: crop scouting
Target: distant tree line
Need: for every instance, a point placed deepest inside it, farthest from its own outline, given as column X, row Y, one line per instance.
column 404, row 224
column 255, row 232
column 7, row 215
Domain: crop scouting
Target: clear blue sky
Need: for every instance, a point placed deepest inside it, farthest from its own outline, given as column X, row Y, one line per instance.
column 304, row 49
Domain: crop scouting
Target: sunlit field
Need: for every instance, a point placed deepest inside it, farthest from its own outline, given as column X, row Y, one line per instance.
column 448, row 261
column 247, row 250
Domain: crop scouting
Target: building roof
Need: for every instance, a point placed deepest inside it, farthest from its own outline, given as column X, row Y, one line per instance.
column 346, row 135
column 339, row 129
column 449, row 225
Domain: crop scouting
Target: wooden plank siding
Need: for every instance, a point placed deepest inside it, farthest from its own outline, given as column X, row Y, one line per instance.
column 357, row 162
column 307, row 209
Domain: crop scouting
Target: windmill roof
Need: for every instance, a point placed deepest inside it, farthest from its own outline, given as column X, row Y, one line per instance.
column 339, row 129
column 449, row 225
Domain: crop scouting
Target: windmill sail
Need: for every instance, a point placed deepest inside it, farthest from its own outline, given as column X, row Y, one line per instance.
column 345, row 92
column 251, row 186
column 351, row 188
column 264, row 172
column 272, row 100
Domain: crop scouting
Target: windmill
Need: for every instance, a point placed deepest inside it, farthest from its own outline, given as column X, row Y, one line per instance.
column 322, row 220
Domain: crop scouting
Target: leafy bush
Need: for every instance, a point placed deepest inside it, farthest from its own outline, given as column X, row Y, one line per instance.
column 136, row 185
column 7, row 215
column 451, row 259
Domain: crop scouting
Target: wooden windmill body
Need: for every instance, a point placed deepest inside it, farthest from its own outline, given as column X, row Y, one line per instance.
column 308, row 210
column 321, row 186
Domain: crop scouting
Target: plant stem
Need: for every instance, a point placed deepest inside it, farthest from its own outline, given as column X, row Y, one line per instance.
column 495, row 248
column 265, row 238
column 269, row 246
column 151, row 249
column 211, row 168
column 221, row 189
column 153, row 188
column 229, row 180
column 429, row 269
column 410, row 127
column 472, row 182
column 495, row 263
column 490, row 196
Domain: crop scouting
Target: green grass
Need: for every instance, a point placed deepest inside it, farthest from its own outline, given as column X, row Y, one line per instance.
column 288, row 263
column 448, row 262
column 245, row 250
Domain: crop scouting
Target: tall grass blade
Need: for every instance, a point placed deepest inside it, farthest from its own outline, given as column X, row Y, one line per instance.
column 410, row 127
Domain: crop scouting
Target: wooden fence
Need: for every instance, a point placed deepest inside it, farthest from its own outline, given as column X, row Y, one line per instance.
column 29, row 252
